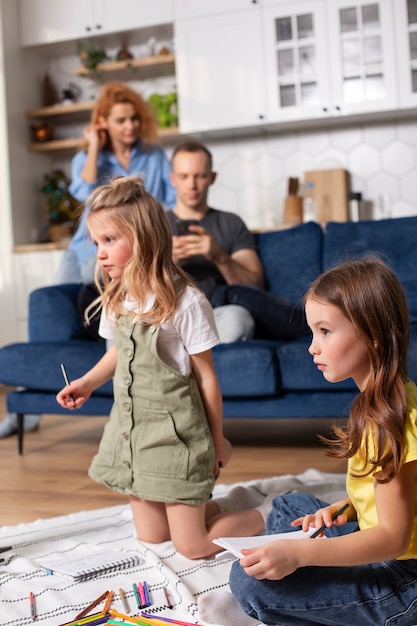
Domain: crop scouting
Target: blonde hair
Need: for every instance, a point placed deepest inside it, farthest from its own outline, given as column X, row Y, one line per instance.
column 130, row 208
column 118, row 93
column 371, row 297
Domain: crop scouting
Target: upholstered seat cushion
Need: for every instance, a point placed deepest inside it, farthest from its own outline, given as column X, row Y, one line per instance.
column 36, row 366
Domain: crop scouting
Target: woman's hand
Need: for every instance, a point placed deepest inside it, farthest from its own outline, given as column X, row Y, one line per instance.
column 95, row 136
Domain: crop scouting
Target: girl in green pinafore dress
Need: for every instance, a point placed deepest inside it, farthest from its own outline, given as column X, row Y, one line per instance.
column 163, row 444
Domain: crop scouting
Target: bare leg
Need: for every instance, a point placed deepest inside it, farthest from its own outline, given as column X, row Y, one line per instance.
column 193, row 537
column 150, row 520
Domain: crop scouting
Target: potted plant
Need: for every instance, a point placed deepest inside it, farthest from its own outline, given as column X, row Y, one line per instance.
column 61, row 208
column 90, row 54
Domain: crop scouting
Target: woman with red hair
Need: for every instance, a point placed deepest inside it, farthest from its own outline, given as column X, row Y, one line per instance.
column 122, row 140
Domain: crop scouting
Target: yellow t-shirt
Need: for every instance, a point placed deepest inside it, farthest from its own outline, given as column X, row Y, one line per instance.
column 361, row 490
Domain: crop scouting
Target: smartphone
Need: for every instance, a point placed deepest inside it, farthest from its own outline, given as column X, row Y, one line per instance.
column 183, row 227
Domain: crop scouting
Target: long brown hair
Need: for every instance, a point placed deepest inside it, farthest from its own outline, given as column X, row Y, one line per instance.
column 118, row 93
column 130, row 208
column 371, row 297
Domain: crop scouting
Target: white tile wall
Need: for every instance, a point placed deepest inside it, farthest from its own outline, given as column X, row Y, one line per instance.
column 380, row 157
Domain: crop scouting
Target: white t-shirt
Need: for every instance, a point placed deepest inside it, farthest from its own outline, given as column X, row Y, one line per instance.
column 191, row 330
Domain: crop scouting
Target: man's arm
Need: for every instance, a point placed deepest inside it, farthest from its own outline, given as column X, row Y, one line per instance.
column 241, row 267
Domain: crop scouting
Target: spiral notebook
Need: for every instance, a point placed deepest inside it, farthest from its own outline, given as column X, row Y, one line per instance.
column 88, row 561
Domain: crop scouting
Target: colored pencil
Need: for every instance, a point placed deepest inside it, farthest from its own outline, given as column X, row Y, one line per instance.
column 91, row 620
column 147, row 594
column 136, row 592
column 168, row 598
column 108, row 602
column 124, row 600
column 91, row 606
column 32, row 606
column 127, row 618
column 169, row 620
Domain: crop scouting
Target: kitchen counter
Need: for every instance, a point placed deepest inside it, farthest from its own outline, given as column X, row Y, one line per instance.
column 41, row 247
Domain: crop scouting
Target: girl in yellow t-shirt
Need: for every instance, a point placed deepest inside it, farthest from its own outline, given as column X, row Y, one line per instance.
column 365, row 571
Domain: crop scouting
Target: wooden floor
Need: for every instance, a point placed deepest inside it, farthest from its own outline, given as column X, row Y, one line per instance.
column 51, row 477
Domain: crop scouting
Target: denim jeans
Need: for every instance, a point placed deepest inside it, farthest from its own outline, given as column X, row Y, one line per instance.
column 380, row 594
column 275, row 317
column 69, row 270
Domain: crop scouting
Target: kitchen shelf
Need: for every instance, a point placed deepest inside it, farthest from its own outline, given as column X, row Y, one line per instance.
column 76, row 109
column 147, row 67
column 166, row 135
column 56, row 145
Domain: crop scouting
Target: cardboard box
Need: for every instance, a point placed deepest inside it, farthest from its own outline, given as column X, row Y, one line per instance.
column 331, row 194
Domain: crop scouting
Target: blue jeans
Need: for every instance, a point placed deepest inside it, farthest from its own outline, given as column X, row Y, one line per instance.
column 275, row 317
column 380, row 594
column 70, row 270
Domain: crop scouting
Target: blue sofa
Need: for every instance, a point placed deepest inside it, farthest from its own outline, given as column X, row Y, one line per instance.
column 258, row 378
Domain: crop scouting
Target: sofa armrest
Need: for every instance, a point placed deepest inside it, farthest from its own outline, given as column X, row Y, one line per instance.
column 53, row 314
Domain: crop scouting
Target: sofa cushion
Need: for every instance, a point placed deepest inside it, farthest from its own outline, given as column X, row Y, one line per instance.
column 247, row 368
column 394, row 240
column 291, row 259
column 36, row 366
column 44, row 402
column 53, row 314
column 298, row 372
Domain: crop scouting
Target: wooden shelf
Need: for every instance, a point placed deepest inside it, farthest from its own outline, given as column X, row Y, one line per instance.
column 61, row 110
column 55, row 145
column 166, row 135
column 148, row 67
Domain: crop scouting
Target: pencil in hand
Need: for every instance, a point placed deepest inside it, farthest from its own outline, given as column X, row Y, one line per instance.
column 67, row 382
column 334, row 516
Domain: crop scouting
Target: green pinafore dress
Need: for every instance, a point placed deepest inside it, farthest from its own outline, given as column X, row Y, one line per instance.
column 157, row 444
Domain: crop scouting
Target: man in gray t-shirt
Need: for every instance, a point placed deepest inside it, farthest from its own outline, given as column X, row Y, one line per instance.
column 219, row 252
column 231, row 235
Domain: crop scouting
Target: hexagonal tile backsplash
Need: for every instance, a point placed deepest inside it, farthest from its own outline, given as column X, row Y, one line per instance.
column 380, row 157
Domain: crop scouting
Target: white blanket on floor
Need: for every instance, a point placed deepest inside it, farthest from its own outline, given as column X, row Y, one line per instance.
column 59, row 600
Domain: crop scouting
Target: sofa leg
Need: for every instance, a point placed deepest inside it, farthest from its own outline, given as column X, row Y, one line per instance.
column 20, row 422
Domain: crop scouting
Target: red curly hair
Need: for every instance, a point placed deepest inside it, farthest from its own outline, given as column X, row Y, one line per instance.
column 118, row 93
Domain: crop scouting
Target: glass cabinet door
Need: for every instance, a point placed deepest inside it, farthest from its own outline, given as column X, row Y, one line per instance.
column 363, row 59
column 296, row 64
column 406, row 23
column 412, row 41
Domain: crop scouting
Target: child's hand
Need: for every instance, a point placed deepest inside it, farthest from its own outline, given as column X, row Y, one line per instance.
column 224, row 453
column 322, row 516
column 74, row 395
column 273, row 561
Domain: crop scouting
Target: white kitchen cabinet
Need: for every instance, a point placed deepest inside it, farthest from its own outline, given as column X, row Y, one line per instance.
column 362, row 50
column 218, row 67
column 281, row 61
column 406, row 34
column 132, row 14
column 187, row 9
column 296, row 61
column 329, row 58
column 49, row 21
